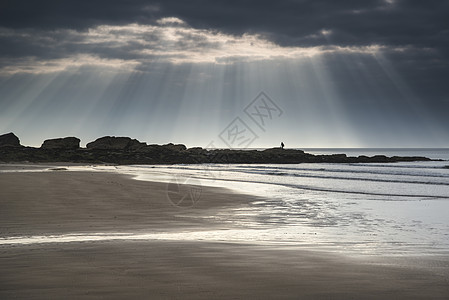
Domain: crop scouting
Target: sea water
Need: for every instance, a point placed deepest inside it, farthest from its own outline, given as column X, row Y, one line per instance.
column 394, row 208
column 389, row 208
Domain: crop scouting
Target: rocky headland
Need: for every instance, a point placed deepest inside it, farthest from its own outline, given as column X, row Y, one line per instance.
column 124, row 150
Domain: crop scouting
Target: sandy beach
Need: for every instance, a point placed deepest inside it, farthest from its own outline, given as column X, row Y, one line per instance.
column 61, row 202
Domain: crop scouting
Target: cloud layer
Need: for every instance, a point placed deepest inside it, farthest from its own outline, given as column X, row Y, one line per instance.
column 135, row 45
column 287, row 22
column 35, row 34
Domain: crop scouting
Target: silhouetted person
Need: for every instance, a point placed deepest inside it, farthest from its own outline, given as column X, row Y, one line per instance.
column 282, row 145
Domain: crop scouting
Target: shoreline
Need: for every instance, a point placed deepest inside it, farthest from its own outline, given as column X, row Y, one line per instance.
column 63, row 202
column 234, row 210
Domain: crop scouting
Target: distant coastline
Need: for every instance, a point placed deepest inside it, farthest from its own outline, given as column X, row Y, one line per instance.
column 125, row 150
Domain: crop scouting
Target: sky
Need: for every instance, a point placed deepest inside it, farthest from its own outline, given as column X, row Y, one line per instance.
column 236, row 74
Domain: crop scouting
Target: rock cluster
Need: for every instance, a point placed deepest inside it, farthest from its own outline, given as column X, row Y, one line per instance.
column 9, row 140
column 115, row 143
column 124, row 150
column 67, row 143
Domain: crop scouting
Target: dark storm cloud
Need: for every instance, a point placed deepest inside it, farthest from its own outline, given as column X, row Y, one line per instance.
column 72, row 14
column 414, row 34
column 287, row 22
column 300, row 22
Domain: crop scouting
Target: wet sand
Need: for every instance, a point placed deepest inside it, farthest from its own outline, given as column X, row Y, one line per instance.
column 63, row 202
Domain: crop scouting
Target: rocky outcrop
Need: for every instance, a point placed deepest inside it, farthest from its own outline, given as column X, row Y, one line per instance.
column 173, row 147
column 115, row 143
column 67, row 143
column 197, row 150
column 124, row 150
column 9, row 140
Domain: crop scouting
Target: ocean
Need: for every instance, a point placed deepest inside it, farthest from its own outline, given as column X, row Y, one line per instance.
column 389, row 208
column 434, row 153
column 361, row 209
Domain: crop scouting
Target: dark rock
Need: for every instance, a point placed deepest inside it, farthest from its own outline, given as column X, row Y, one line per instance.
column 9, row 139
column 409, row 158
column 173, row 147
column 115, row 143
column 380, row 158
column 282, row 151
column 149, row 148
column 335, row 157
column 124, row 150
column 67, row 143
column 362, row 158
column 197, row 150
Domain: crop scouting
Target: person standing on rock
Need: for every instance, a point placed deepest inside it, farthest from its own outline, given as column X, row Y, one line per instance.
column 282, row 145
